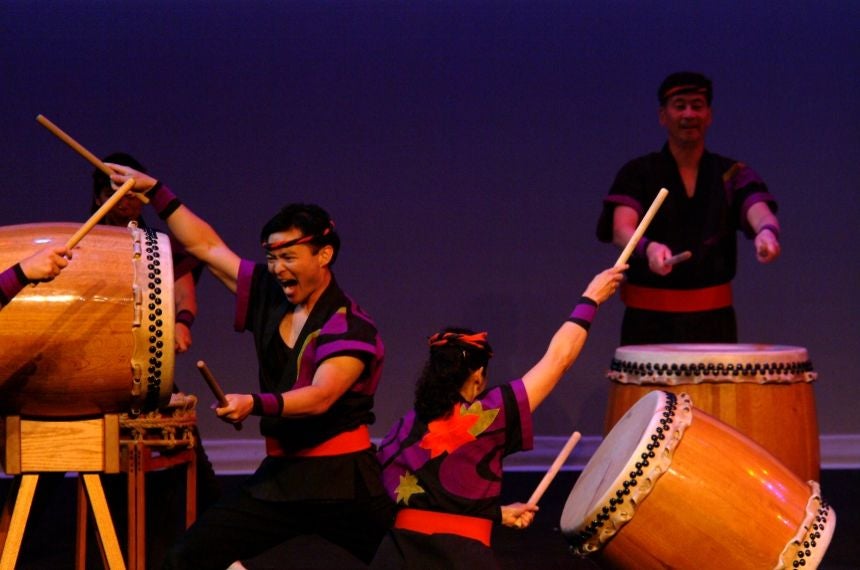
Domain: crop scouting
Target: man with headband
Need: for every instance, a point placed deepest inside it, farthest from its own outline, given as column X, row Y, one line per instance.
column 679, row 283
column 320, row 359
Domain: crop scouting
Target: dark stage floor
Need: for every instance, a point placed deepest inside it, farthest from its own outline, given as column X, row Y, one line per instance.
column 49, row 540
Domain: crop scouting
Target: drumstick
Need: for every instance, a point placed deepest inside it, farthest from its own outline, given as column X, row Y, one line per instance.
column 554, row 468
column 678, row 258
column 60, row 134
column 215, row 387
column 99, row 214
column 643, row 225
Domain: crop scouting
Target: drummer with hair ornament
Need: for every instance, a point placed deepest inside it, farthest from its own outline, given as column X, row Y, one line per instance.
column 678, row 288
column 442, row 461
column 41, row 266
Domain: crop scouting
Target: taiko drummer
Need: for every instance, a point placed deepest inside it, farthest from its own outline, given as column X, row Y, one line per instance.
column 679, row 283
column 320, row 360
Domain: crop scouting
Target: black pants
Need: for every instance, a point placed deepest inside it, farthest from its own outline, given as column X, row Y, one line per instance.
column 241, row 527
column 654, row 327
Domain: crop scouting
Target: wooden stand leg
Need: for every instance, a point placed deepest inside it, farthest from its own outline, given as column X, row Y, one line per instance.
column 191, row 490
column 136, row 507
column 81, row 514
column 14, row 533
column 108, row 542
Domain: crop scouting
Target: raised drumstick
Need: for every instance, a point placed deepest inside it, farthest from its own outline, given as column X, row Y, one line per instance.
column 91, row 158
column 99, row 214
column 643, row 225
column 215, row 387
column 555, row 468
column 680, row 257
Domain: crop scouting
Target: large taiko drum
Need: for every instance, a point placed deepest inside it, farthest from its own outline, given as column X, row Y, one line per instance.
column 98, row 338
column 673, row 487
column 763, row 391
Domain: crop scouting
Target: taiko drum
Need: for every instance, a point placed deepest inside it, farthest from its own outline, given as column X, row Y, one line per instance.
column 673, row 487
column 763, row 391
column 99, row 337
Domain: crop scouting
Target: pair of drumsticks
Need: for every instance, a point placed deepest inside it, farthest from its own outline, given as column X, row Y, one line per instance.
column 207, row 374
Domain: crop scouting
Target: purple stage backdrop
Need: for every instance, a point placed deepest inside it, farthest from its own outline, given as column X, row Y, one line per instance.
column 463, row 149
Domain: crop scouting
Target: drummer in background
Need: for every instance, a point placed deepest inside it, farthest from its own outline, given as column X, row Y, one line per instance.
column 320, row 360
column 43, row 265
column 186, row 269
column 442, row 462
column 687, row 298
column 186, row 273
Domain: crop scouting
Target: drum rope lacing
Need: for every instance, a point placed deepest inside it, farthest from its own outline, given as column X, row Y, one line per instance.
column 657, row 439
column 625, row 371
column 816, row 530
column 154, row 320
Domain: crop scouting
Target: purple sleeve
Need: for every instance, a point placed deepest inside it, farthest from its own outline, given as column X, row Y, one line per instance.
column 745, row 189
column 243, row 294
column 11, row 282
column 525, row 413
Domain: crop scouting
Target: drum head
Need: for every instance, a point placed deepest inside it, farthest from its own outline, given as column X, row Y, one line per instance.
column 625, row 467
column 674, row 364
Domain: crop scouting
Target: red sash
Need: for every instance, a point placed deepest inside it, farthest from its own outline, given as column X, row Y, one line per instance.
column 431, row 522
column 341, row 444
column 677, row 300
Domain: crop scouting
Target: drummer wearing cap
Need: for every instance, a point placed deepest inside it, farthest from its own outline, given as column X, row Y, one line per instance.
column 679, row 283
column 43, row 265
column 320, row 360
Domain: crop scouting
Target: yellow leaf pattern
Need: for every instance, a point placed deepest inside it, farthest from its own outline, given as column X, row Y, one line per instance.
column 485, row 417
column 408, row 486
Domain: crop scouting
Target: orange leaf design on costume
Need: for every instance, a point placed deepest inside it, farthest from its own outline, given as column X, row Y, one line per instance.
column 448, row 433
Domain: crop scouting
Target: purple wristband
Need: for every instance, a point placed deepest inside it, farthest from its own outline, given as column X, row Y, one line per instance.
column 584, row 312
column 268, row 404
column 641, row 248
column 163, row 200
column 11, row 282
column 185, row 317
column 774, row 230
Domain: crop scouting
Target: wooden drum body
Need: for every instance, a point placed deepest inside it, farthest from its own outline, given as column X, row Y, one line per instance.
column 97, row 339
column 763, row 391
column 673, row 487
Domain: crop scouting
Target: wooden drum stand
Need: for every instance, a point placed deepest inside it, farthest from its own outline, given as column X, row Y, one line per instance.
column 110, row 444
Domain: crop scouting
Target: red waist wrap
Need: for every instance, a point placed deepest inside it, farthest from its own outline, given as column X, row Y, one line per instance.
column 341, row 444
column 677, row 300
column 432, row 522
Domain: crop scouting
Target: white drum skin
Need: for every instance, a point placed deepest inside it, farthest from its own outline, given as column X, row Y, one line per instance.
column 708, row 498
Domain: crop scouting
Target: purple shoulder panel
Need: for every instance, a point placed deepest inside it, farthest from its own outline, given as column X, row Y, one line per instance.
column 243, row 293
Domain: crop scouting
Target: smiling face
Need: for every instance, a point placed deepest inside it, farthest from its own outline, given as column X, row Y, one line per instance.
column 302, row 270
column 686, row 118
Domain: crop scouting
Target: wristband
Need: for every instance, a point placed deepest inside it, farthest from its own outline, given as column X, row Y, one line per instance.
column 185, row 317
column 19, row 271
column 11, row 282
column 583, row 313
column 774, row 230
column 163, row 200
column 642, row 247
column 268, row 404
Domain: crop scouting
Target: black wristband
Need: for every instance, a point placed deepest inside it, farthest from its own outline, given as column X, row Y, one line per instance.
column 185, row 317
column 19, row 272
column 268, row 404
